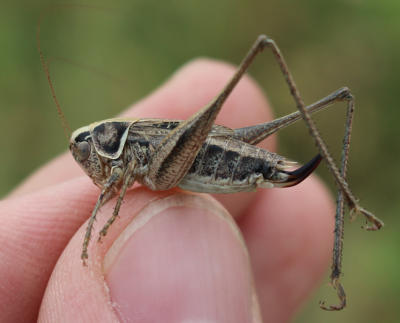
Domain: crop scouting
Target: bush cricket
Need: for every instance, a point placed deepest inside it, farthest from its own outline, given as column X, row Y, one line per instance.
column 196, row 155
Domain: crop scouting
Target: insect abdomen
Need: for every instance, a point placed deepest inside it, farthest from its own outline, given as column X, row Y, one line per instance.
column 226, row 165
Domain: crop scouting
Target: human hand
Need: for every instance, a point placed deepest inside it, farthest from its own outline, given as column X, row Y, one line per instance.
column 179, row 256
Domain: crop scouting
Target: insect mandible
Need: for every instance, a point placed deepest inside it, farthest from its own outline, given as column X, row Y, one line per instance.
column 196, row 155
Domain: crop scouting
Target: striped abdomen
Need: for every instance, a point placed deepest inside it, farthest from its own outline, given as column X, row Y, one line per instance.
column 226, row 165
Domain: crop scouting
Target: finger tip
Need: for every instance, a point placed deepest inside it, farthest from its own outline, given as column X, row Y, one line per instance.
column 186, row 251
column 177, row 260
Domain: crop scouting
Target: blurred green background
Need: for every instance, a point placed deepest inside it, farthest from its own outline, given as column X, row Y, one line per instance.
column 327, row 44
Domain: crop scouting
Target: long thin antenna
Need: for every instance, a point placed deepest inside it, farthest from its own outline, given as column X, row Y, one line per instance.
column 60, row 113
column 93, row 70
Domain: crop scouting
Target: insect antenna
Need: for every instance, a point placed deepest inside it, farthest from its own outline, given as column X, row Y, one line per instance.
column 67, row 129
column 108, row 76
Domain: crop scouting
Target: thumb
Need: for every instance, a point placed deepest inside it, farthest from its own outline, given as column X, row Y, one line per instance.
column 170, row 257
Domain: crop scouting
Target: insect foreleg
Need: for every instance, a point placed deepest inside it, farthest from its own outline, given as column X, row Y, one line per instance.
column 88, row 234
column 255, row 134
column 129, row 178
column 106, row 193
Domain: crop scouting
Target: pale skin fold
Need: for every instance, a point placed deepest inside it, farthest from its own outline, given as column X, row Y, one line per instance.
column 288, row 232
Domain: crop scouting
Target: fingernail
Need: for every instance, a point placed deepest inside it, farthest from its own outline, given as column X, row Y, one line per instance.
column 181, row 259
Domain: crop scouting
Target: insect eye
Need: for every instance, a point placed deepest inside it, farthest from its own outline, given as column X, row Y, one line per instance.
column 83, row 150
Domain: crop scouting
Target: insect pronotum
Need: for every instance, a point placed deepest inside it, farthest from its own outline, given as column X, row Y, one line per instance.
column 196, row 155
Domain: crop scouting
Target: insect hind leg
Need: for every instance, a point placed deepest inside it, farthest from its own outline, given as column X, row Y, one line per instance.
column 339, row 216
column 340, row 181
column 255, row 134
column 173, row 157
column 344, row 192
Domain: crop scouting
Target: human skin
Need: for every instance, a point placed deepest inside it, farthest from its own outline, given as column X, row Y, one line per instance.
column 187, row 263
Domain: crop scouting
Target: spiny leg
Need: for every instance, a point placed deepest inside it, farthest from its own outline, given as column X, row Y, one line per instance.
column 255, row 134
column 106, row 193
column 174, row 156
column 339, row 218
column 352, row 203
column 127, row 182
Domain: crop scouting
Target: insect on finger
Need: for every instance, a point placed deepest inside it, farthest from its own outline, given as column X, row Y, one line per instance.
column 199, row 156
